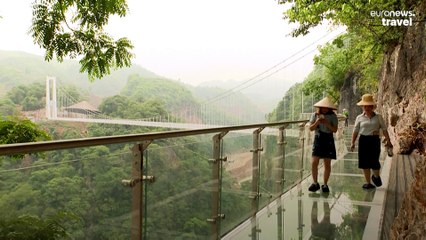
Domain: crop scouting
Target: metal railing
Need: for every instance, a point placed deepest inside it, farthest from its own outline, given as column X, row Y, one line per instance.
column 266, row 172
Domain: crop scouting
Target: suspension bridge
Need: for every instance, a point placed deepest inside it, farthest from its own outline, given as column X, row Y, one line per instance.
column 60, row 106
column 213, row 112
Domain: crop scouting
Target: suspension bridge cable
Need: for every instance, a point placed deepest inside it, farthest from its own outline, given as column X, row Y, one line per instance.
column 265, row 77
column 226, row 93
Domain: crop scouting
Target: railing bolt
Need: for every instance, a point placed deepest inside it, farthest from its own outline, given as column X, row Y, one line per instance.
column 216, row 160
column 257, row 150
column 134, row 181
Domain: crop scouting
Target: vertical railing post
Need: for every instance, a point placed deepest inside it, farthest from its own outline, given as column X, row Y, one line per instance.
column 280, row 180
column 137, row 189
column 216, row 216
column 300, row 215
column 300, row 192
column 255, row 184
column 302, row 146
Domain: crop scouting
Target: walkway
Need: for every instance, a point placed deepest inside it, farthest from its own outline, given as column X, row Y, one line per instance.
column 347, row 212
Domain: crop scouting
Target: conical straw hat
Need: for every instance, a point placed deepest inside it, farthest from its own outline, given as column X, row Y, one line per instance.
column 325, row 102
column 366, row 100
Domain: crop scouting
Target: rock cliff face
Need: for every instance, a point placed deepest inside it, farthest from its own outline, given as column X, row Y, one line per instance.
column 402, row 100
column 349, row 96
column 402, row 93
column 411, row 220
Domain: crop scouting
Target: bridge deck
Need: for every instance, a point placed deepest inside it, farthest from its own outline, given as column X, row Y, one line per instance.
column 347, row 212
column 170, row 125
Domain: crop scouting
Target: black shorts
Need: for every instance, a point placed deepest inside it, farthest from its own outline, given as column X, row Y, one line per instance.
column 369, row 152
column 324, row 146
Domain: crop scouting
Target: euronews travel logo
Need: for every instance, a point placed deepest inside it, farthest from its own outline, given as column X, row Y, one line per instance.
column 395, row 18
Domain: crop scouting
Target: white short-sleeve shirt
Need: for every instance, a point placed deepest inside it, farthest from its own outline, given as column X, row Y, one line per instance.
column 369, row 126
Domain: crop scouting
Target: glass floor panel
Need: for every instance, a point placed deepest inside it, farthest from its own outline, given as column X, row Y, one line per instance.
column 347, row 212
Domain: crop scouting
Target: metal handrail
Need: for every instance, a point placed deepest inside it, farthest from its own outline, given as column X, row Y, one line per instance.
column 32, row 147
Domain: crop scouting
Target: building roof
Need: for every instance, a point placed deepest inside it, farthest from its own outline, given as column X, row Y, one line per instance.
column 82, row 107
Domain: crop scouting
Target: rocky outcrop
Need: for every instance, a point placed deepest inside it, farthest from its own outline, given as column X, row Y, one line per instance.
column 402, row 101
column 402, row 93
column 349, row 96
column 411, row 220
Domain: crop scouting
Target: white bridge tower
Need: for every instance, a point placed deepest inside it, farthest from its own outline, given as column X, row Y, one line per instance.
column 51, row 105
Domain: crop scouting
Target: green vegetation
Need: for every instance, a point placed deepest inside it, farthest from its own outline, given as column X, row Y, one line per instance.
column 359, row 51
column 8, row 108
column 27, row 227
column 32, row 96
column 123, row 107
column 354, row 14
column 171, row 93
column 68, row 28
column 353, row 56
column 135, row 83
column 17, row 68
column 295, row 102
column 337, row 60
column 15, row 130
column 87, row 182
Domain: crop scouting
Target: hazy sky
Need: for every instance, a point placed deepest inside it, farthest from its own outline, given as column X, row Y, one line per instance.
column 193, row 40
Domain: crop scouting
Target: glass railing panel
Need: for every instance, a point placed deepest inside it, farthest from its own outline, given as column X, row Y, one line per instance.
column 272, row 164
column 79, row 189
column 237, row 196
column 293, row 164
column 308, row 142
column 178, row 203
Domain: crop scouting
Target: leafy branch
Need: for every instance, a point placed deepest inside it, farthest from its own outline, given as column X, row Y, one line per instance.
column 52, row 30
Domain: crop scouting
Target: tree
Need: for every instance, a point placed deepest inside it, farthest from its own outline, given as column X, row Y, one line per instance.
column 346, row 54
column 356, row 15
column 30, row 97
column 27, row 227
column 14, row 130
column 7, row 107
column 71, row 28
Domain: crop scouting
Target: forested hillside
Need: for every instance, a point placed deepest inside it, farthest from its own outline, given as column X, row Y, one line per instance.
column 22, row 78
column 174, row 95
column 19, row 68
